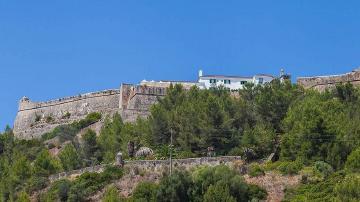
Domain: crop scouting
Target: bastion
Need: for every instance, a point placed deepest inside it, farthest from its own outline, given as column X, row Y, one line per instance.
column 33, row 119
column 321, row 83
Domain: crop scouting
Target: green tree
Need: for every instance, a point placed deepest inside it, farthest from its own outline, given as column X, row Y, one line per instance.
column 353, row 161
column 45, row 165
column 90, row 149
column 110, row 140
column 174, row 188
column 218, row 193
column 261, row 139
column 69, row 158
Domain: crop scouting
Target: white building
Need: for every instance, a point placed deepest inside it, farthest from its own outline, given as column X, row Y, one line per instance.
column 231, row 82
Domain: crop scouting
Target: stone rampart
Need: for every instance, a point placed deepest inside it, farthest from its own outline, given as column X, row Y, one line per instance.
column 35, row 118
column 155, row 165
column 321, row 83
column 131, row 101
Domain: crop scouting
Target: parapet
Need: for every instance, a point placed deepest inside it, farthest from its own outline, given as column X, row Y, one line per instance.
column 26, row 104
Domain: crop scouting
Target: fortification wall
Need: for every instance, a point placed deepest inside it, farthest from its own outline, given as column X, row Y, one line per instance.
column 155, row 165
column 35, row 118
column 131, row 101
column 321, row 83
column 136, row 100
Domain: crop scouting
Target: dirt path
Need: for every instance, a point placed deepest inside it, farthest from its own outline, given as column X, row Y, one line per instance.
column 274, row 183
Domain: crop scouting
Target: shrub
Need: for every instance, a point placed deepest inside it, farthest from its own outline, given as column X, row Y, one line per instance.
column 49, row 119
column 23, row 197
column 111, row 195
column 353, row 161
column 89, row 119
column 323, row 168
column 255, row 170
column 68, row 131
column 37, row 183
column 176, row 187
column 224, row 176
column 69, row 157
column 315, row 191
column 218, row 192
column 348, row 190
column 66, row 115
column 289, row 168
column 89, row 183
column 59, row 191
column 145, row 191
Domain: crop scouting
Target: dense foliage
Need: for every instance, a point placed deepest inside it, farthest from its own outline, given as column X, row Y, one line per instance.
column 81, row 188
column 311, row 133
column 204, row 184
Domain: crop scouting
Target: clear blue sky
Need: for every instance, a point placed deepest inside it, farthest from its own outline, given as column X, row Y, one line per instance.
column 51, row 49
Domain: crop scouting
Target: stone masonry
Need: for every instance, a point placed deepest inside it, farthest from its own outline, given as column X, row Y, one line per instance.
column 156, row 165
column 131, row 101
column 321, row 83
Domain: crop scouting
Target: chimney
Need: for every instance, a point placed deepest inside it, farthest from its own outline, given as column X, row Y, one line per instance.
column 200, row 73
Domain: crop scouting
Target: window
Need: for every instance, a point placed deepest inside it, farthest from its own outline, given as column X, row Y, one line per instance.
column 227, row 82
column 212, row 80
column 261, row 80
column 243, row 82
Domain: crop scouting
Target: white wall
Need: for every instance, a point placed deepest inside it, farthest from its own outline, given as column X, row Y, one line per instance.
column 235, row 83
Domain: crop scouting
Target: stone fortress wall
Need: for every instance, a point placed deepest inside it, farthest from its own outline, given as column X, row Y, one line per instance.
column 131, row 101
column 321, row 83
column 35, row 118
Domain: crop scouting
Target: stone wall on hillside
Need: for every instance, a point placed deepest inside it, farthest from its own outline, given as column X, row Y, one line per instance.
column 155, row 165
column 35, row 118
column 131, row 101
column 321, row 83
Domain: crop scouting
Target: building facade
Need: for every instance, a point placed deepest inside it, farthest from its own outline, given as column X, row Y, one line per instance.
column 231, row 82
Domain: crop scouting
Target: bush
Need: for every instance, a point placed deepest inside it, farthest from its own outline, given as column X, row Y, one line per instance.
column 23, row 197
column 69, row 157
column 353, row 161
column 68, row 131
column 66, row 115
column 218, row 193
column 59, row 191
column 37, row 183
column 145, row 191
column 89, row 119
column 315, row 191
column 111, row 195
column 223, row 176
column 49, row 119
column 323, row 168
column 349, row 189
column 289, row 168
column 88, row 183
column 255, row 170
column 176, row 187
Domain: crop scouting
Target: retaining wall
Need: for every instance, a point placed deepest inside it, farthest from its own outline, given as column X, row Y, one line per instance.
column 155, row 165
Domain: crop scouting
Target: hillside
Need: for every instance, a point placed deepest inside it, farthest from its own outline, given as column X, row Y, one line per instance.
column 312, row 138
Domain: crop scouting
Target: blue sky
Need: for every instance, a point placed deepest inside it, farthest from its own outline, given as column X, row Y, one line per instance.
column 51, row 49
